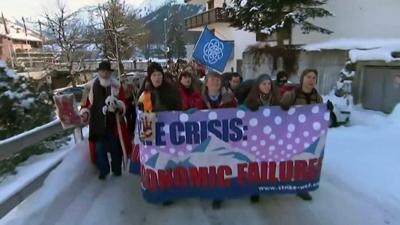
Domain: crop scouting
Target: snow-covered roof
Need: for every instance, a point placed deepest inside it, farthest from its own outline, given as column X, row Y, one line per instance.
column 361, row 49
column 353, row 43
column 16, row 32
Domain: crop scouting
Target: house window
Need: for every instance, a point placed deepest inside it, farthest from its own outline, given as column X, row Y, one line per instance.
column 210, row 4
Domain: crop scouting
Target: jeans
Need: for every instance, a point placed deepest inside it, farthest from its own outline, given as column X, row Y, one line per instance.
column 109, row 144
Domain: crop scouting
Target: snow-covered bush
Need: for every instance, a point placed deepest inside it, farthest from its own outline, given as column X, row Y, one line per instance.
column 22, row 105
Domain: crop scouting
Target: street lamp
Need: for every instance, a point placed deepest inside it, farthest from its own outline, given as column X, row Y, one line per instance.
column 165, row 37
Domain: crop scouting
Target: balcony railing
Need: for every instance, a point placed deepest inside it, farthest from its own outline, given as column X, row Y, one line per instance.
column 215, row 15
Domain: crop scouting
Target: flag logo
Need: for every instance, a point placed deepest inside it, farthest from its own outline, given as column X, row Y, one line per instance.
column 212, row 51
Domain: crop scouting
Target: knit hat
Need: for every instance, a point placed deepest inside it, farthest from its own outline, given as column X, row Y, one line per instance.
column 263, row 77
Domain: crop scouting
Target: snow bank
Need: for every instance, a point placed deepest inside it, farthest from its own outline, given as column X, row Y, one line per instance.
column 32, row 168
column 384, row 54
column 75, row 163
column 361, row 49
column 347, row 44
column 369, row 151
column 28, row 172
column 395, row 115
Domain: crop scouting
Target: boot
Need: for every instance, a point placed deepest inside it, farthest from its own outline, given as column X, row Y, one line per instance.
column 167, row 203
column 216, row 204
column 255, row 198
column 305, row 196
column 102, row 176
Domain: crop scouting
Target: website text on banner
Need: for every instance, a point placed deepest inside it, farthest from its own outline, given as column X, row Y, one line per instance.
column 228, row 153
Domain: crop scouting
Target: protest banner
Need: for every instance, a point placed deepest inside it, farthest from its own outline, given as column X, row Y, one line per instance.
column 226, row 153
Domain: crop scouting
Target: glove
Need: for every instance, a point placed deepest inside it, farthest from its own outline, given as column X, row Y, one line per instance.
column 85, row 115
column 191, row 111
column 242, row 107
column 329, row 105
column 285, row 107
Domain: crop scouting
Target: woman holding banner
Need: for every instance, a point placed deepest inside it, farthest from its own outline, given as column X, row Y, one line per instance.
column 215, row 95
column 156, row 94
column 261, row 94
column 304, row 94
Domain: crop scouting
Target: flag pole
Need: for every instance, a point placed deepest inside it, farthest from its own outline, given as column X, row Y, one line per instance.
column 26, row 41
column 11, row 48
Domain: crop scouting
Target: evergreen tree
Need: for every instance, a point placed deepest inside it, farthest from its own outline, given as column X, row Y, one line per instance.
column 22, row 105
column 269, row 16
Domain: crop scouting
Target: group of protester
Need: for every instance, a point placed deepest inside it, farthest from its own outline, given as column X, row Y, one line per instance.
column 161, row 91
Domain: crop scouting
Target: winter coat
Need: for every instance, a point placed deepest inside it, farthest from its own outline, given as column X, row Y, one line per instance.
column 255, row 98
column 92, row 102
column 163, row 98
column 298, row 97
column 285, row 88
column 191, row 98
column 225, row 100
column 256, row 103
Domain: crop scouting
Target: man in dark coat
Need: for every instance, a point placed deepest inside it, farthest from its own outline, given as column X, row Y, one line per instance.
column 103, row 106
column 304, row 94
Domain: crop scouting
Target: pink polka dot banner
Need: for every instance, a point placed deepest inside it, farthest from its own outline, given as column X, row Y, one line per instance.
column 240, row 151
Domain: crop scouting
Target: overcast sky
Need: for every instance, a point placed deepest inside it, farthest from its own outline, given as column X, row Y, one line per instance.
column 34, row 8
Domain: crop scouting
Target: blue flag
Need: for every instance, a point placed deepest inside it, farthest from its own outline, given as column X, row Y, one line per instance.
column 212, row 51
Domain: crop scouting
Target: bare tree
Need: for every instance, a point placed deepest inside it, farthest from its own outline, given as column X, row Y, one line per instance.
column 117, row 30
column 67, row 33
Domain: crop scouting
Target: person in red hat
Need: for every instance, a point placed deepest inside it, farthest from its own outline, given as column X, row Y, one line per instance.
column 103, row 107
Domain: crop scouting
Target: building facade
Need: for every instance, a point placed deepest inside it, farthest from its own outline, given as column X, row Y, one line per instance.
column 216, row 20
column 14, row 41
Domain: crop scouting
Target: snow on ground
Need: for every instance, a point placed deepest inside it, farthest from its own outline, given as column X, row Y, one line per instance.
column 359, row 186
column 29, row 171
column 33, row 168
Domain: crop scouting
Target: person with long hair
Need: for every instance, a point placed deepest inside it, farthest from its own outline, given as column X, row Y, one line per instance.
column 191, row 98
column 304, row 94
column 261, row 94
